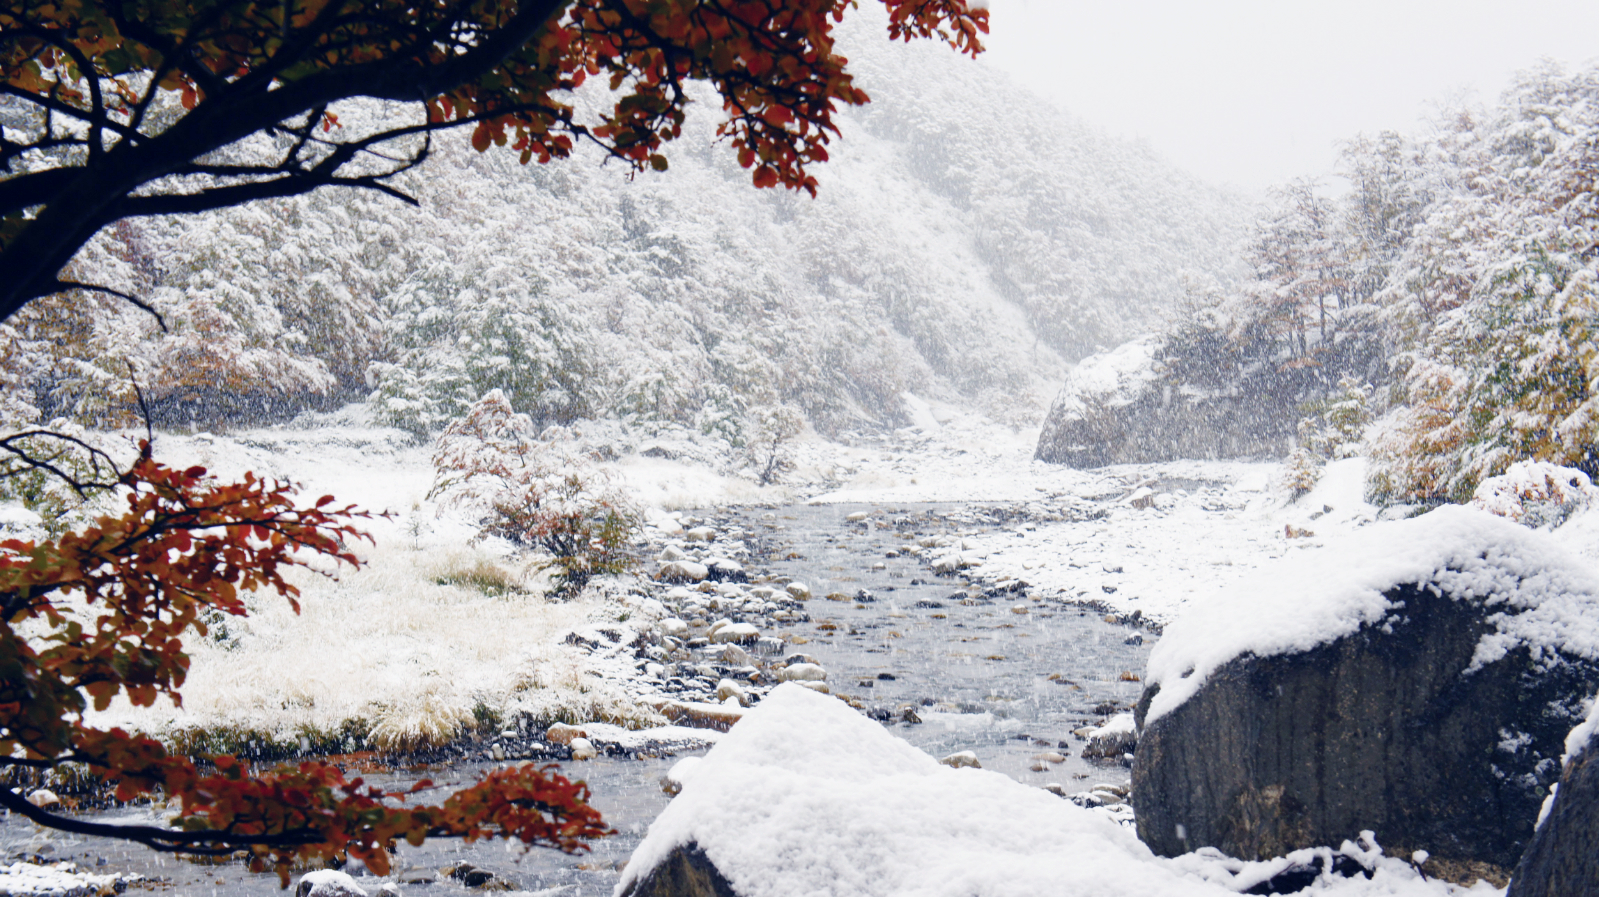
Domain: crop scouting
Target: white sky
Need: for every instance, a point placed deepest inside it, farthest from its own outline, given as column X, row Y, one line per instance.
column 1253, row 92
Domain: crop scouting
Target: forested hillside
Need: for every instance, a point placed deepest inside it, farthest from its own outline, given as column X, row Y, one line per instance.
column 969, row 240
column 1439, row 315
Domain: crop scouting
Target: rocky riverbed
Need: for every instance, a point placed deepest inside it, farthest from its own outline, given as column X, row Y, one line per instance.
column 846, row 598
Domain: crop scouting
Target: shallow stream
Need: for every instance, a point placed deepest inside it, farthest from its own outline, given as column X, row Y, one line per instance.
column 996, row 672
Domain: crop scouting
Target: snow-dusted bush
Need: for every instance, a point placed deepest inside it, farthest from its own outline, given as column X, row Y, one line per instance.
column 1300, row 473
column 535, row 493
column 1535, row 493
column 770, row 431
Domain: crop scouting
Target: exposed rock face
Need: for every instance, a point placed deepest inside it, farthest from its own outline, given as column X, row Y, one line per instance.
column 1381, row 729
column 1190, row 395
column 686, row 872
column 1562, row 858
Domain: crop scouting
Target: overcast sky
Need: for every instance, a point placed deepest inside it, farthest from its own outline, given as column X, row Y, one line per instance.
column 1253, row 92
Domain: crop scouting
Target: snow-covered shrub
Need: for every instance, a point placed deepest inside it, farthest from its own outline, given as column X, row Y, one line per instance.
column 1535, row 493
column 534, row 493
column 770, row 431
column 1301, row 472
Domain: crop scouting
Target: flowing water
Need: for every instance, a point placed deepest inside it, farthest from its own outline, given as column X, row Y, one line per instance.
column 996, row 672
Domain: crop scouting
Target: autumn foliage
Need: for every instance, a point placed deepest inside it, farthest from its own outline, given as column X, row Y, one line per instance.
column 103, row 612
column 123, row 101
column 534, row 493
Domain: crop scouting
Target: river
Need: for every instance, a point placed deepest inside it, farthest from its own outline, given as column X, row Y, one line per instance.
column 995, row 671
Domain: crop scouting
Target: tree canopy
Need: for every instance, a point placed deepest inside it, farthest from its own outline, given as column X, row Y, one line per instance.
column 119, row 109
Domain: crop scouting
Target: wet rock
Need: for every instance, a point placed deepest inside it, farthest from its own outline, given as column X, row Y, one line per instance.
column 684, row 872
column 1381, row 729
column 724, row 570
column 1561, row 859
column 327, row 883
column 470, row 875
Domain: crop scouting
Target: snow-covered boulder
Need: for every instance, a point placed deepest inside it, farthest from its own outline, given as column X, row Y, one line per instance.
column 1417, row 679
column 328, row 883
column 1561, row 859
column 807, row 796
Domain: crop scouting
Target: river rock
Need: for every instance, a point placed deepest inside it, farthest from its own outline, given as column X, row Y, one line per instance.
column 43, row 798
column 327, row 883
column 733, row 654
column 671, row 553
column 561, row 733
column 682, row 571
column 802, row 672
column 1419, row 681
column 962, row 760
column 724, row 570
column 720, row 717
column 738, row 633
column 583, row 749
column 728, row 689
column 1562, row 858
column 1118, row 736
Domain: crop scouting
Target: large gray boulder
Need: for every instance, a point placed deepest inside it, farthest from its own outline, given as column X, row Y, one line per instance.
column 685, row 872
column 1563, row 858
column 1418, row 682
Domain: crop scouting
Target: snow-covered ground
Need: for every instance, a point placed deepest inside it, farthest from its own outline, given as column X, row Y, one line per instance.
column 437, row 629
